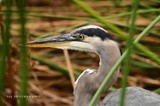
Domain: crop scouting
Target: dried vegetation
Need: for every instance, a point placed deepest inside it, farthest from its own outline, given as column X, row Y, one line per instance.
column 49, row 82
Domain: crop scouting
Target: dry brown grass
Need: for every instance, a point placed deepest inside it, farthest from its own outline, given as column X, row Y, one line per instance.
column 48, row 87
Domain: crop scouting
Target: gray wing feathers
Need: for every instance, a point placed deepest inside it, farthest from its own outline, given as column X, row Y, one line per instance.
column 135, row 96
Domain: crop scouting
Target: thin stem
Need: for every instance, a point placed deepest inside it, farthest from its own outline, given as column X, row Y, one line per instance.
column 21, row 5
column 128, row 56
column 70, row 69
column 5, row 47
column 146, row 30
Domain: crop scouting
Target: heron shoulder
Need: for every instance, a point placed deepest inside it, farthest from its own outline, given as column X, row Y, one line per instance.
column 85, row 72
column 135, row 96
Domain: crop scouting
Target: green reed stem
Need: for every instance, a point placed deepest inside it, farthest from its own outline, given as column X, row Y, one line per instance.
column 21, row 5
column 127, row 61
column 111, row 72
column 119, row 32
column 5, row 46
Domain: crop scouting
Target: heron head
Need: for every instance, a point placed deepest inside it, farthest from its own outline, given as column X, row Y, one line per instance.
column 85, row 38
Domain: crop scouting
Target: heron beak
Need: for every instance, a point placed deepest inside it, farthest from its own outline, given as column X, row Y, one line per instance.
column 53, row 42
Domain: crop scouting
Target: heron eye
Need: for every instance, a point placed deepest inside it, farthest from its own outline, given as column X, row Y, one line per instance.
column 81, row 37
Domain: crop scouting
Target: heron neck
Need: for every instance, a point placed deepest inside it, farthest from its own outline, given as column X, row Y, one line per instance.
column 107, row 60
column 89, row 83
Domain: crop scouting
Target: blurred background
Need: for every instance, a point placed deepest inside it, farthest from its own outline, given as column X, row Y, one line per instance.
column 49, row 83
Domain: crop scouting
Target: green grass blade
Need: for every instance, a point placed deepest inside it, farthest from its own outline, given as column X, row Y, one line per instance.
column 127, row 61
column 5, row 46
column 105, row 81
column 99, row 18
column 23, row 53
column 122, row 35
column 146, row 30
column 144, row 11
column 157, row 91
column 143, row 65
column 111, row 72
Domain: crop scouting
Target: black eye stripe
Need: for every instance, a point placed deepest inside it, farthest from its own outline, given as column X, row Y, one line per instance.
column 94, row 32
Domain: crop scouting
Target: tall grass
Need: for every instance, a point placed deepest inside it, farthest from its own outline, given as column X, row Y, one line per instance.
column 5, row 47
column 127, row 61
column 95, row 16
column 21, row 6
column 105, row 81
column 122, row 35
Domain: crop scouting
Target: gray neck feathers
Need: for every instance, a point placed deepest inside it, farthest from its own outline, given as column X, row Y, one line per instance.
column 89, row 82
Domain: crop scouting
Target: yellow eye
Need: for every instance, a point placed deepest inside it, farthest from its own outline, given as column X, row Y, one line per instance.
column 81, row 37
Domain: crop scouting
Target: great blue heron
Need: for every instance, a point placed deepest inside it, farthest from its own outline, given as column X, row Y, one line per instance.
column 95, row 39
